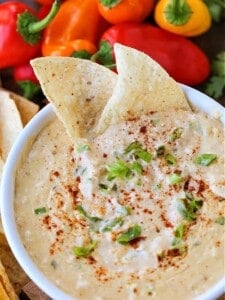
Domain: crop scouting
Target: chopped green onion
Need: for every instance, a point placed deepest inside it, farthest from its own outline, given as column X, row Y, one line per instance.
column 119, row 169
column 170, row 159
column 175, row 178
column 82, row 148
column 179, row 231
column 189, row 207
column 205, row 159
column 103, row 187
column 40, row 210
column 176, row 134
column 133, row 147
column 85, row 251
column 129, row 235
column 137, row 167
column 160, row 151
column 80, row 209
column 118, row 221
column 138, row 151
column 144, row 155
column 220, row 220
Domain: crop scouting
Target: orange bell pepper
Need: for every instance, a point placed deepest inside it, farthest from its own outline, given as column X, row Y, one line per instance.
column 118, row 11
column 76, row 20
column 70, row 48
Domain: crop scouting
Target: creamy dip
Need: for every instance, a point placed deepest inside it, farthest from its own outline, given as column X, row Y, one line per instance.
column 135, row 213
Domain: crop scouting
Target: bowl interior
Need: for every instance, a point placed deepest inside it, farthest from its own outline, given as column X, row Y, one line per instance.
column 196, row 98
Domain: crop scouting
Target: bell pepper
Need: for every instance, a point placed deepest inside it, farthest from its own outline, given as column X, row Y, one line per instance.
column 20, row 32
column 27, row 81
column 184, row 17
column 76, row 19
column 117, row 11
column 77, row 48
column 182, row 59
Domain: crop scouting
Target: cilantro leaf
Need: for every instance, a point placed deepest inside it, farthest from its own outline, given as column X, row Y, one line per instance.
column 85, row 251
column 215, row 86
column 132, row 233
column 104, row 55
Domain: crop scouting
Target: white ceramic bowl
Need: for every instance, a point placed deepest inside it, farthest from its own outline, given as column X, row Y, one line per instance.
column 196, row 98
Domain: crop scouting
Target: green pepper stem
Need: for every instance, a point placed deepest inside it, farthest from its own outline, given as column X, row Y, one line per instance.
column 30, row 28
column 178, row 12
column 39, row 25
column 110, row 3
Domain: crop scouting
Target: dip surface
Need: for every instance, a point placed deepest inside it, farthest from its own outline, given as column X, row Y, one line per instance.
column 135, row 213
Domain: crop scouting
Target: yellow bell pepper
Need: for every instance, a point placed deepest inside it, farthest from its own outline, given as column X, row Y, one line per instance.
column 184, row 17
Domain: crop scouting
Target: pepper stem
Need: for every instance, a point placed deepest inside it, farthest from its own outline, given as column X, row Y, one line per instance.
column 30, row 28
column 178, row 12
column 110, row 3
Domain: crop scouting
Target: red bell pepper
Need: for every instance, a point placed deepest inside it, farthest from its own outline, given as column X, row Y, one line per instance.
column 182, row 59
column 26, row 80
column 20, row 32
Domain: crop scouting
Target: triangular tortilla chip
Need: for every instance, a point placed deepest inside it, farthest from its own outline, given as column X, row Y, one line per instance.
column 10, row 124
column 79, row 90
column 6, row 290
column 26, row 108
column 142, row 86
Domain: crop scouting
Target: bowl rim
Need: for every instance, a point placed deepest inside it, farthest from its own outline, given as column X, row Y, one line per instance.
column 31, row 130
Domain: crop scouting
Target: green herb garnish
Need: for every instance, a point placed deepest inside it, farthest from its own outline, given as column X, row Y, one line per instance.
column 82, row 148
column 118, row 221
column 175, row 178
column 215, row 86
column 179, row 231
column 40, row 210
column 220, row 220
column 119, row 169
column 138, row 151
column 136, row 167
column 85, row 251
column 80, row 209
column 205, row 159
column 160, row 151
column 129, row 235
column 189, row 207
column 170, row 159
column 176, row 134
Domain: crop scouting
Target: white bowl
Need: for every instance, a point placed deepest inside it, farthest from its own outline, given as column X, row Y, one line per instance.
column 196, row 98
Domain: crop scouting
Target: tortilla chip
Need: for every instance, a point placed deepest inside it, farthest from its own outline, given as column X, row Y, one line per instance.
column 142, row 86
column 16, row 275
column 6, row 289
column 26, row 108
column 79, row 90
column 10, row 124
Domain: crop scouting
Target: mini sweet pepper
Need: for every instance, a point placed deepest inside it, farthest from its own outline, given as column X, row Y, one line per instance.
column 182, row 59
column 76, row 19
column 184, row 17
column 20, row 32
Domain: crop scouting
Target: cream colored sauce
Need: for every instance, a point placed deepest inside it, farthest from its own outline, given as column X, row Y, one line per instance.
column 55, row 176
